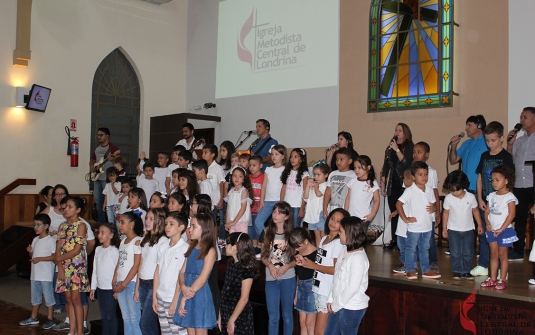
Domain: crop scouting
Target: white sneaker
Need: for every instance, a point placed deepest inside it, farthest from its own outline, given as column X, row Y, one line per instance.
column 479, row 271
column 532, row 281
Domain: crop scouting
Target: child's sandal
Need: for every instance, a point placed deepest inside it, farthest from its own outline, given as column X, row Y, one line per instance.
column 501, row 285
column 488, row 283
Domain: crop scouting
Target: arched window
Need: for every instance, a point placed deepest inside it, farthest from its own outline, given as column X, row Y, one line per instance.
column 115, row 104
column 410, row 54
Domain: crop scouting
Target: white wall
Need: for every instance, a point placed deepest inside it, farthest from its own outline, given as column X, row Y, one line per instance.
column 521, row 58
column 69, row 39
column 298, row 118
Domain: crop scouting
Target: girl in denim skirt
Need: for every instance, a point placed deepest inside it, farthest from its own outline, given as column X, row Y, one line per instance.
column 304, row 298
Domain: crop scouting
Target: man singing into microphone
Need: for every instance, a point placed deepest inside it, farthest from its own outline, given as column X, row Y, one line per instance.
column 263, row 143
column 470, row 151
column 523, row 150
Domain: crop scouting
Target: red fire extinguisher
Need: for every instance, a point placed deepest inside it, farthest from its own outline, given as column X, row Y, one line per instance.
column 74, row 151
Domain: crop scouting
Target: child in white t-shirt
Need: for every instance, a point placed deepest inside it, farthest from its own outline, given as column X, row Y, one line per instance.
column 336, row 192
column 160, row 172
column 271, row 187
column 401, row 230
column 363, row 191
column 294, row 176
column 170, row 261
column 328, row 250
column 313, row 196
column 42, row 252
column 499, row 215
column 460, row 209
column 111, row 193
column 148, row 184
column 126, row 186
column 421, row 202
column 420, row 153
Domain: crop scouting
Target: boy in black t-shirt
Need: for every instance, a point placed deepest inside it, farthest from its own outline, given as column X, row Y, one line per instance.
column 489, row 159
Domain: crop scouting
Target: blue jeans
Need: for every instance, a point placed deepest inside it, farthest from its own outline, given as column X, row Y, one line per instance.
column 401, row 241
column 99, row 186
column 130, row 309
column 40, row 289
column 108, row 311
column 280, row 293
column 222, row 220
column 110, row 213
column 59, row 303
column 263, row 215
column 433, row 254
column 461, row 250
column 345, row 322
column 484, row 250
column 149, row 320
column 417, row 243
column 297, row 219
column 252, row 230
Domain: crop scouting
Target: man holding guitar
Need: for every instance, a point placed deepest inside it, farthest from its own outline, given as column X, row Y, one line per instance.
column 108, row 150
column 189, row 142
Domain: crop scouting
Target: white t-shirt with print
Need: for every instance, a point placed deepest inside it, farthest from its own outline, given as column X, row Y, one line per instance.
column 361, row 197
column 126, row 258
column 499, row 208
column 322, row 282
column 338, row 183
column 294, row 191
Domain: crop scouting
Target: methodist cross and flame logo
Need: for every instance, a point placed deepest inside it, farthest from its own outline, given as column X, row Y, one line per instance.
column 466, row 322
column 243, row 53
column 273, row 48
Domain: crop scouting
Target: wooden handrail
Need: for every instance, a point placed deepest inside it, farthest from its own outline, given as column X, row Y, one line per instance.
column 15, row 184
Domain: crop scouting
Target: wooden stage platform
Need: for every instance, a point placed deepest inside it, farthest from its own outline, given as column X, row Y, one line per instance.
column 446, row 306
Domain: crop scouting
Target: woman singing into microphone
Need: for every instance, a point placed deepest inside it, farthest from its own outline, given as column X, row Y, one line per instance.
column 398, row 158
column 345, row 140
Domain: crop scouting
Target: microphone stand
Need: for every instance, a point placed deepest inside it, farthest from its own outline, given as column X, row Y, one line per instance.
column 239, row 142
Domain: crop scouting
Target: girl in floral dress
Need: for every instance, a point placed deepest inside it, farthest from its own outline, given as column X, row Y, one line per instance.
column 71, row 262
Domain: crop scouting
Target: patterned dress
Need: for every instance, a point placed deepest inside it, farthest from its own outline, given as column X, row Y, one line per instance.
column 230, row 295
column 75, row 268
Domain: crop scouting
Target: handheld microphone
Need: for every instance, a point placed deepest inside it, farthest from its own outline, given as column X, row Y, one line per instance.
column 336, row 145
column 395, row 138
column 461, row 135
column 517, row 128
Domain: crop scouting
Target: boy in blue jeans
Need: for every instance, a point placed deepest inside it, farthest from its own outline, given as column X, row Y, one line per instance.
column 42, row 251
column 420, row 203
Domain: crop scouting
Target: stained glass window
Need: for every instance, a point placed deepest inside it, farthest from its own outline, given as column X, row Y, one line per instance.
column 410, row 54
column 116, row 99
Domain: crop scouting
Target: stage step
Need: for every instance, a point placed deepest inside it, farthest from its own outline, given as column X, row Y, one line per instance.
column 13, row 243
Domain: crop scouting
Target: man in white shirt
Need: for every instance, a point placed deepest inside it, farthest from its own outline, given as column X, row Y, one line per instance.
column 189, row 139
column 523, row 150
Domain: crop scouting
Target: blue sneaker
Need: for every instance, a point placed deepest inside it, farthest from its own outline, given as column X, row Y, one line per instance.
column 29, row 322
column 48, row 324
